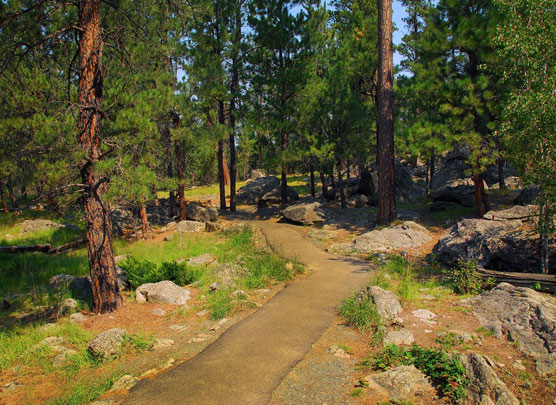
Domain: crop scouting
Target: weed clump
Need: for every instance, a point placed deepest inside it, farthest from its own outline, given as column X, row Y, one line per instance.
column 466, row 279
column 360, row 312
column 143, row 271
column 446, row 373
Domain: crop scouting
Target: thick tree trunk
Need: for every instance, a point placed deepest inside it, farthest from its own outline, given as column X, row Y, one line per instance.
column 386, row 192
column 340, row 185
column 221, row 178
column 144, row 220
column 481, row 201
column 180, row 168
column 234, row 91
column 501, row 180
column 312, row 174
column 104, row 280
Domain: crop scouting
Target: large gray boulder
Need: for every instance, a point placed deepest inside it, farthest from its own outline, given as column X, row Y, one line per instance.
column 255, row 174
column 108, row 343
column 197, row 213
column 228, row 274
column 400, row 383
column 459, row 191
column 80, row 287
column 387, row 303
column 485, row 387
column 502, row 240
column 163, row 292
column 403, row 236
column 527, row 196
column 274, row 197
column 305, row 213
column 250, row 193
column 32, row 225
column 454, row 167
column 521, row 314
column 190, row 226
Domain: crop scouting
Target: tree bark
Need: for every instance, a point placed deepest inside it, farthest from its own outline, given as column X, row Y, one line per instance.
column 481, row 201
column 234, row 87
column 284, row 176
column 323, row 182
column 312, row 174
column 221, row 179
column 144, row 220
column 180, row 169
column 501, row 180
column 432, row 169
column 155, row 194
column 3, row 197
column 340, row 185
column 11, row 193
column 386, row 191
column 544, row 217
column 104, row 280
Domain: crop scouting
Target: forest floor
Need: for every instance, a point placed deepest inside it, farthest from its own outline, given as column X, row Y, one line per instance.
column 315, row 372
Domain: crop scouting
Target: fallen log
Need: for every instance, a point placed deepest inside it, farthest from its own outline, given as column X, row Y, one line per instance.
column 538, row 281
column 67, row 246
column 26, row 248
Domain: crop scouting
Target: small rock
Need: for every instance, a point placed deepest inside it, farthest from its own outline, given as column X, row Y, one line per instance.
column 202, row 313
column 159, row 312
column 213, row 287
column 107, row 343
column 162, row 343
column 399, row 337
column 78, row 317
column 190, row 226
column 196, row 340
column 203, row 260
column 518, row 365
column 546, row 363
column 126, row 382
column 62, row 359
column 341, row 353
column 11, row 386
column 164, row 292
column 424, row 315
column 66, row 307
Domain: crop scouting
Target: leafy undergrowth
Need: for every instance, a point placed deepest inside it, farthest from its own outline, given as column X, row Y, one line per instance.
column 445, row 372
column 259, row 267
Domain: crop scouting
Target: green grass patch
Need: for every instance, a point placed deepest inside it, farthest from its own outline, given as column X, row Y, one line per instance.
column 84, row 391
column 360, row 312
column 453, row 213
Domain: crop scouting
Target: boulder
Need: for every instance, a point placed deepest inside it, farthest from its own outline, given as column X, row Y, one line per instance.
column 190, row 226
column 485, row 387
column 406, row 235
column 458, row 191
column 361, row 201
column 80, row 287
column 368, row 184
column 527, row 196
column 197, row 213
column 274, row 197
column 108, row 343
column 521, row 314
column 250, row 193
column 403, row 181
column 305, row 213
column 66, row 307
column 454, row 167
column 401, row 382
column 32, row 225
column 502, row 242
column 387, row 303
column 228, row 274
column 163, row 292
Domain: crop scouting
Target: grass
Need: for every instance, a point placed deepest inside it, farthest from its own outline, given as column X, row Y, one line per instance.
column 406, row 279
column 454, row 213
column 84, row 391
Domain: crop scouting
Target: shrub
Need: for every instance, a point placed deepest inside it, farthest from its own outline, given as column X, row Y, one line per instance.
column 142, row 271
column 360, row 312
column 446, row 373
column 466, row 279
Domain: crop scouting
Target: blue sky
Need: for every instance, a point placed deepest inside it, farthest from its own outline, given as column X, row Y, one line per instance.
column 398, row 12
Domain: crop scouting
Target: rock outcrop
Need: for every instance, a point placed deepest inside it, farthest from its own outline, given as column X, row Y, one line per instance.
column 406, row 235
column 485, row 387
column 502, row 240
column 254, row 190
column 197, row 213
column 400, row 383
column 190, row 226
column 461, row 192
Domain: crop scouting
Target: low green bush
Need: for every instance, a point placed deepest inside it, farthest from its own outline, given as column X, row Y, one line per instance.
column 466, row 279
column 446, row 373
column 143, row 271
column 360, row 312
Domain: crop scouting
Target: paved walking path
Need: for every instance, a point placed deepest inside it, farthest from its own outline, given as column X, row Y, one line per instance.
column 253, row 356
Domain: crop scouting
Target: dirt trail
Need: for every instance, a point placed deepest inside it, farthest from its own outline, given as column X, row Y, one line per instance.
column 252, row 357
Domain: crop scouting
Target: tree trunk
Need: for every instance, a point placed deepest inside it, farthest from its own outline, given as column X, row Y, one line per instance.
column 501, row 180
column 432, row 169
column 312, row 173
column 234, row 91
column 386, row 191
column 9, row 186
column 155, row 194
column 544, row 217
column 340, row 185
column 347, row 169
column 323, row 182
column 284, row 177
column 104, row 280
column 144, row 220
column 221, row 178
column 481, row 201
column 23, row 192
column 2, row 196
column 180, row 169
